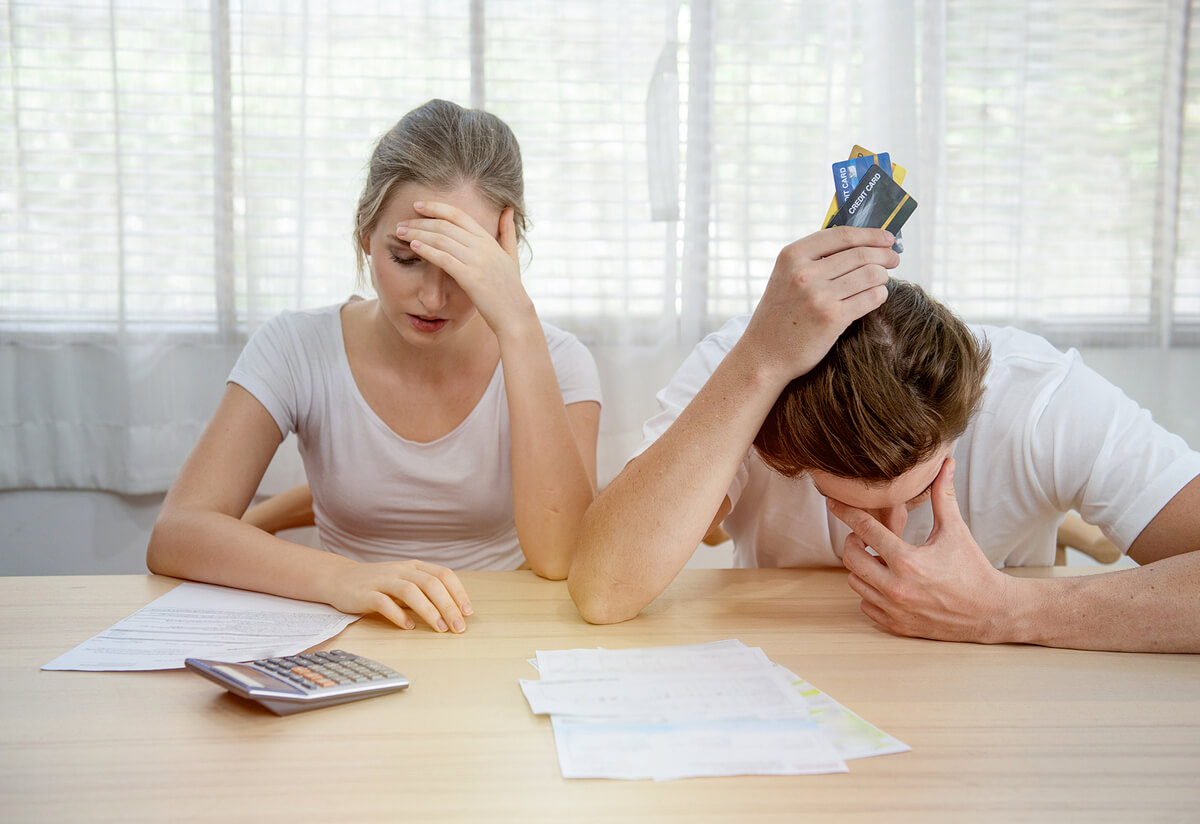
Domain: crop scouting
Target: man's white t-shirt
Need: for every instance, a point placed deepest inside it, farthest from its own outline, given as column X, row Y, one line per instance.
column 376, row 495
column 1051, row 435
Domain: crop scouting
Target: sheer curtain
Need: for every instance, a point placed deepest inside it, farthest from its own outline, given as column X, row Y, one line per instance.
column 172, row 173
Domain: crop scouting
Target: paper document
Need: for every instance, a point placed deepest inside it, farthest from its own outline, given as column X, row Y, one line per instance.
column 762, row 693
column 714, row 656
column 206, row 621
column 698, row 710
column 587, row 749
column 850, row 735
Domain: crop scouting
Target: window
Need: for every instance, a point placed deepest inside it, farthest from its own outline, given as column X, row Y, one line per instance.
column 175, row 172
column 191, row 167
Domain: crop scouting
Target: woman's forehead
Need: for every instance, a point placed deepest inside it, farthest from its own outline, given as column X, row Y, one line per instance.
column 465, row 196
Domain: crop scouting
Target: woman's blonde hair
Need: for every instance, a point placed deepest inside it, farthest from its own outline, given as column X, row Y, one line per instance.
column 442, row 145
column 900, row 382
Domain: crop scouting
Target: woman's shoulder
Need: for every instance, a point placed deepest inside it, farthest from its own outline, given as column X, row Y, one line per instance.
column 556, row 333
column 305, row 323
column 574, row 363
column 561, row 340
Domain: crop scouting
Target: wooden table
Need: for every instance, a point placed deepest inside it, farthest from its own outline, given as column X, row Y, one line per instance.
column 999, row 733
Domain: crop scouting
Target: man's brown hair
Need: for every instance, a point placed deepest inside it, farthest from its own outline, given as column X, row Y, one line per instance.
column 900, row 382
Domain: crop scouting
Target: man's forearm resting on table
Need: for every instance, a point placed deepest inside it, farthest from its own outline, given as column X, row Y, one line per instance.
column 1154, row 608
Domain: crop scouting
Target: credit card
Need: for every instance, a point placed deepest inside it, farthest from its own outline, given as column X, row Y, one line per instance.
column 847, row 173
column 877, row 202
column 897, row 174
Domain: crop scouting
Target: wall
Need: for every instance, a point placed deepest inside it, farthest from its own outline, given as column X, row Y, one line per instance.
column 75, row 532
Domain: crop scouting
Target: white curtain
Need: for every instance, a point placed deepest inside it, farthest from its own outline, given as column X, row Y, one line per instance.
column 174, row 172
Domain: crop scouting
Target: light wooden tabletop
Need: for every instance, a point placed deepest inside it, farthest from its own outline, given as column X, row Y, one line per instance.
column 1000, row 733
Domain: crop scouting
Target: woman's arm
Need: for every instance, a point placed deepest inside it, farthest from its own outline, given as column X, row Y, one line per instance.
column 199, row 534
column 553, row 446
column 290, row 509
column 553, row 455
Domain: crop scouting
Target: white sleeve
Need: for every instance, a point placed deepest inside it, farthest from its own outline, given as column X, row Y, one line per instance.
column 271, row 369
column 578, row 377
column 1095, row 450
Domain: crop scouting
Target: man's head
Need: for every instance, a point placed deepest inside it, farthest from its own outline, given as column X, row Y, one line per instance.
column 894, row 392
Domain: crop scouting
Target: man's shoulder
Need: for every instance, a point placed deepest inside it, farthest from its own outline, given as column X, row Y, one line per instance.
column 728, row 333
column 1015, row 351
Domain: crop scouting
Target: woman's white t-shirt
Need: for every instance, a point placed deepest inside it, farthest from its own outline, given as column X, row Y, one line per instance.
column 376, row 495
column 1051, row 435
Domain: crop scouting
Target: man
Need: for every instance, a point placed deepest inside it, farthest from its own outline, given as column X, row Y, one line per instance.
column 812, row 435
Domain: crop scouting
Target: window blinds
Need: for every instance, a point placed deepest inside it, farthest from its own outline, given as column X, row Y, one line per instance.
column 1058, row 164
column 191, row 167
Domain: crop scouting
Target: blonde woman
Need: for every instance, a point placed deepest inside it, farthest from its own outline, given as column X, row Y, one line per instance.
column 442, row 425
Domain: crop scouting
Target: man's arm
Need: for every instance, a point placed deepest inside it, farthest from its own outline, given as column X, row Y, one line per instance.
column 947, row 589
column 648, row 521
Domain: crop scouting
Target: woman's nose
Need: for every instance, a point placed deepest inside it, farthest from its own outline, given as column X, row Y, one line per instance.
column 434, row 286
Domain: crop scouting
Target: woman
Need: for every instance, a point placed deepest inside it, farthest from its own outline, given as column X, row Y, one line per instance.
column 441, row 424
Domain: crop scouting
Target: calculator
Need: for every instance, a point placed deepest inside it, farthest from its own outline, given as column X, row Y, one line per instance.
column 293, row 683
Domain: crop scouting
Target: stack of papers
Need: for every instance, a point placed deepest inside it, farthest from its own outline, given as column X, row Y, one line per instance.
column 699, row 710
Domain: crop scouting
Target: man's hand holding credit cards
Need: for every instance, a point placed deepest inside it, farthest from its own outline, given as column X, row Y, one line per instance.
column 867, row 193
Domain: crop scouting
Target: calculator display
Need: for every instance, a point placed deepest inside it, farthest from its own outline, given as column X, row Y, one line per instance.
column 242, row 675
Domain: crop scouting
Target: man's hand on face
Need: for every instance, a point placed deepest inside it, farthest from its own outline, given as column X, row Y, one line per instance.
column 945, row 589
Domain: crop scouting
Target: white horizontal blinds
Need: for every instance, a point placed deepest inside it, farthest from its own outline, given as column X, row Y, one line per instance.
column 315, row 85
column 1050, row 171
column 571, row 77
column 1186, row 298
column 1052, row 178
column 787, row 85
column 108, row 216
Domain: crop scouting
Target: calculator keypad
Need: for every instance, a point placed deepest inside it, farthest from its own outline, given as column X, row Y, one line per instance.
column 314, row 670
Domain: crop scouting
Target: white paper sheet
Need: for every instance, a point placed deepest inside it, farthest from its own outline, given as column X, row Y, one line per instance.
column 205, row 621
column 850, row 735
column 716, row 656
column 664, row 751
column 758, row 693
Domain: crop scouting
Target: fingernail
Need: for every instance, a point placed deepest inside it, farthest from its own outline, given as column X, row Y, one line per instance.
column 467, row 609
column 402, row 227
column 420, row 204
column 459, row 626
column 890, row 237
column 409, row 625
column 441, row 625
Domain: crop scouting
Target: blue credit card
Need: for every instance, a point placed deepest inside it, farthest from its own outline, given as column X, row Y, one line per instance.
column 848, row 173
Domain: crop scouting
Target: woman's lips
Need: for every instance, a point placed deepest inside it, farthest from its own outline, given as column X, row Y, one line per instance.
column 424, row 324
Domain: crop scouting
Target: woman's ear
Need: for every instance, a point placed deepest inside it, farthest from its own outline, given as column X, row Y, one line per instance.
column 507, row 232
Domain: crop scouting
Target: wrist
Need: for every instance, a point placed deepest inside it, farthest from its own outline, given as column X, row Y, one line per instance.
column 521, row 329
column 327, row 577
column 1020, row 619
column 764, row 375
